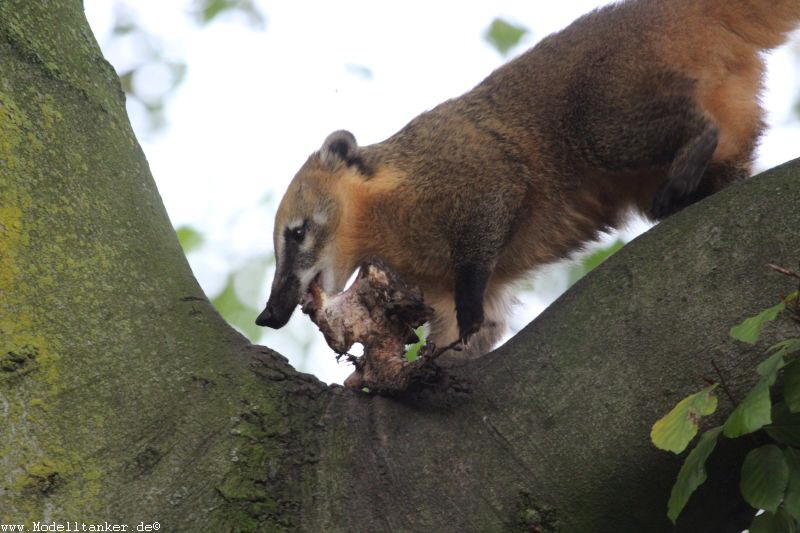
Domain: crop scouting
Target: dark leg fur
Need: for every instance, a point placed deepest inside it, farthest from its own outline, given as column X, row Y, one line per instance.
column 720, row 176
column 716, row 178
column 470, row 280
column 685, row 184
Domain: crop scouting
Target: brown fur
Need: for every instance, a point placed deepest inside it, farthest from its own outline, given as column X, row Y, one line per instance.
column 556, row 146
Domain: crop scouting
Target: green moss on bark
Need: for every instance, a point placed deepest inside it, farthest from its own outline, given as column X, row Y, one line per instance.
column 275, row 454
column 55, row 38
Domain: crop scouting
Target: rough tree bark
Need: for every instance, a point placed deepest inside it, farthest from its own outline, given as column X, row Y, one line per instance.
column 125, row 398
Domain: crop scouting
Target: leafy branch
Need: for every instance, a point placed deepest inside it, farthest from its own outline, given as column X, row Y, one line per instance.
column 770, row 474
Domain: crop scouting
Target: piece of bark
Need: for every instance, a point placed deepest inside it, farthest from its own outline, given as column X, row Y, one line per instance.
column 381, row 312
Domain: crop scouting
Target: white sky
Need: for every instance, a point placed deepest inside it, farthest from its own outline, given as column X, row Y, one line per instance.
column 254, row 104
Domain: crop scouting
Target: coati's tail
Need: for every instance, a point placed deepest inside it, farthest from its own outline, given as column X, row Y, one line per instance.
column 765, row 23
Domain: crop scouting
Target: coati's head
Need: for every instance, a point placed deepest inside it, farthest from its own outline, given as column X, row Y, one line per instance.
column 305, row 228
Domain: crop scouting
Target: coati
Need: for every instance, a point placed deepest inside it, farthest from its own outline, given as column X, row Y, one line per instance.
column 643, row 104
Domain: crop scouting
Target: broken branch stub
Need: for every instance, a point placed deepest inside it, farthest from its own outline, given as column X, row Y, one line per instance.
column 381, row 312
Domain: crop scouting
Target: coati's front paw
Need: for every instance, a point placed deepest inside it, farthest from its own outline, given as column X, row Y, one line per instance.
column 470, row 284
column 469, row 322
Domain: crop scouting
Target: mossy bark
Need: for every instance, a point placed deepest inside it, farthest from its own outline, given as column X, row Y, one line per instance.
column 125, row 398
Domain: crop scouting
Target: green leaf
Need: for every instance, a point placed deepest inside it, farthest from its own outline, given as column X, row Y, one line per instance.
column 593, row 260
column 788, row 346
column 413, row 351
column 750, row 329
column 791, row 500
column 780, row 522
column 504, row 35
column 755, row 411
column 773, row 363
column 208, row 10
column 124, row 24
column 765, row 475
column 692, row 474
column 190, row 238
column 178, row 73
column 791, row 386
column 677, row 429
column 785, row 426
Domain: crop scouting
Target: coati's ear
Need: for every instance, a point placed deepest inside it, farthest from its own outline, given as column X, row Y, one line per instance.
column 341, row 147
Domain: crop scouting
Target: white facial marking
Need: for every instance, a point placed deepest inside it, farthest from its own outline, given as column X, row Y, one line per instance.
column 327, row 277
column 320, row 218
column 308, row 243
column 306, row 277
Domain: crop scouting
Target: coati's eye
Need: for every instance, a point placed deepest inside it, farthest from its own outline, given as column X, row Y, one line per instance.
column 297, row 234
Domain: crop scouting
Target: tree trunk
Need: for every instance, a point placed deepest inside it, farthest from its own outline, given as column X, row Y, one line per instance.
column 125, row 398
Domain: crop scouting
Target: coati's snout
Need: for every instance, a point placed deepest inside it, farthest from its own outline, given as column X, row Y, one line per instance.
column 281, row 304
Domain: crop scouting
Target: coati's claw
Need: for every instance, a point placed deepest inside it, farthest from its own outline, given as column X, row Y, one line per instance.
column 466, row 332
column 455, row 346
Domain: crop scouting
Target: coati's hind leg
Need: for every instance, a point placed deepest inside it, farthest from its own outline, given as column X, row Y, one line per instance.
column 720, row 175
column 685, row 184
column 717, row 177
